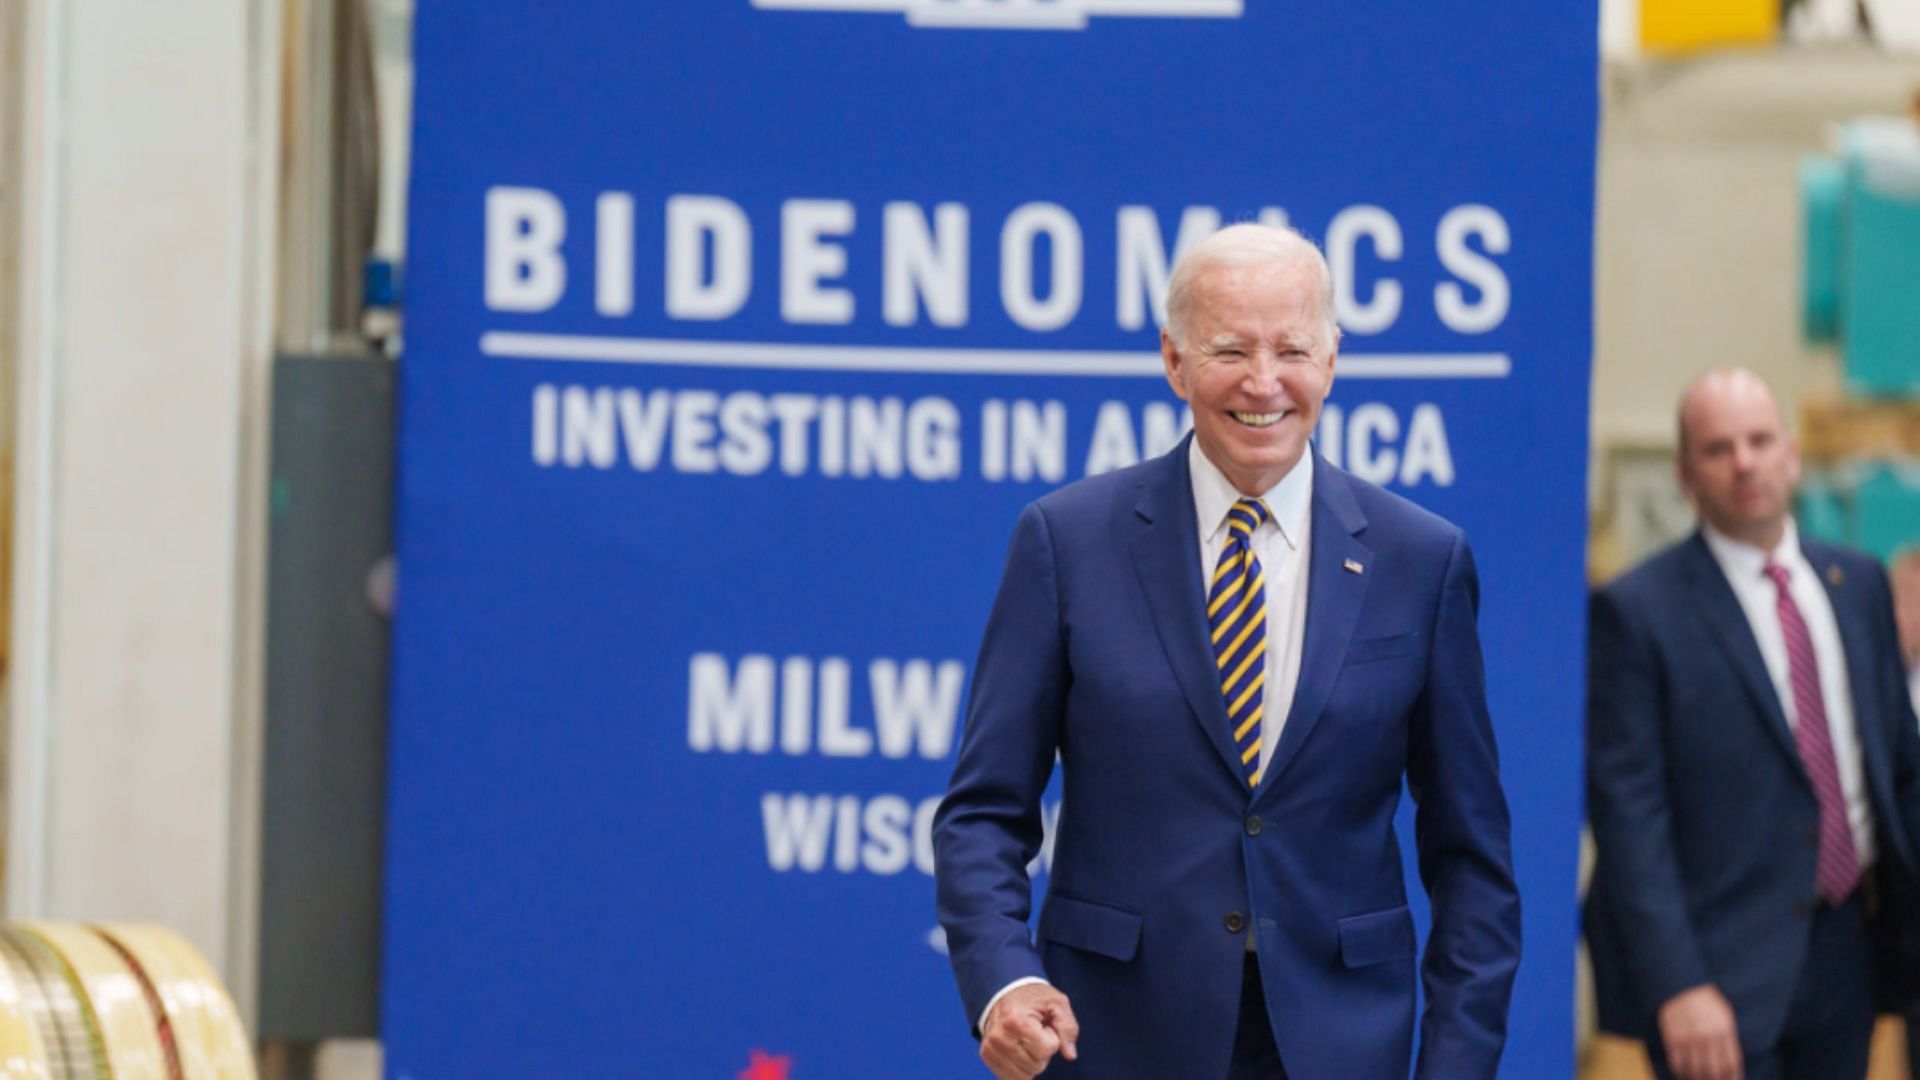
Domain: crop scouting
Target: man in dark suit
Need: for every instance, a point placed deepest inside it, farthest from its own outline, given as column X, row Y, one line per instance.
column 1754, row 775
column 1236, row 652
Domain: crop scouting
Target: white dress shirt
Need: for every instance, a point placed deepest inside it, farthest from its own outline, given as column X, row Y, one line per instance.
column 1745, row 567
column 1281, row 546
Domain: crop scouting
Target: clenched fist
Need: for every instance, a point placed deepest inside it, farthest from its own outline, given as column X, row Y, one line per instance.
column 1025, row 1029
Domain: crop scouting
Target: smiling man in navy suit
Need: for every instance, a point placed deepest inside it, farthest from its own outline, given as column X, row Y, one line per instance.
column 1237, row 653
column 1754, row 776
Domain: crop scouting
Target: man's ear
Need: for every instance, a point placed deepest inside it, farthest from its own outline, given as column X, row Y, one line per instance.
column 1170, row 356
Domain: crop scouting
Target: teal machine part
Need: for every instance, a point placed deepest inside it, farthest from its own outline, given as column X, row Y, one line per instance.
column 1822, row 186
column 1870, row 505
column 1821, row 510
column 1887, row 508
column 1862, row 257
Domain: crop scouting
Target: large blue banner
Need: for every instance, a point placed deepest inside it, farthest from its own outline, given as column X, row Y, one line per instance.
column 740, row 331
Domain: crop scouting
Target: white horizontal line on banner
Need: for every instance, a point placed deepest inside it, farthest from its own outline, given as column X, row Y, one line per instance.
column 968, row 19
column 894, row 6
column 1001, row 11
column 1204, row 9
column 1044, row 15
column 1197, row 9
column 933, row 361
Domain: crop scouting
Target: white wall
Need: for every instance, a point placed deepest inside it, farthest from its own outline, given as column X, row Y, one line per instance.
column 145, row 171
column 1698, row 231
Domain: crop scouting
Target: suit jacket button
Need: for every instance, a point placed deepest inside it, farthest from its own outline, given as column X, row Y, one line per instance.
column 1235, row 922
column 1802, row 908
column 1253, row 825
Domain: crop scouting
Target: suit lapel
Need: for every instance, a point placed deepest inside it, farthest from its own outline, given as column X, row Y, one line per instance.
column 1717, row 606
column 1166, row 555
column 1855, row 623
column 1334, row 595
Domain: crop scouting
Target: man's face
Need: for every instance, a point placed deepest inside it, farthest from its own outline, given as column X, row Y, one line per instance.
column 1257, row 363
column 1740, row 466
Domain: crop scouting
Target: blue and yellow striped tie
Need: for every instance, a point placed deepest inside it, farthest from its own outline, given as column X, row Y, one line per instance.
column 1237, row 613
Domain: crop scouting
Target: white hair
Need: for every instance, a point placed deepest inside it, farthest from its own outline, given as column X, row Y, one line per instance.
column 1246, row 244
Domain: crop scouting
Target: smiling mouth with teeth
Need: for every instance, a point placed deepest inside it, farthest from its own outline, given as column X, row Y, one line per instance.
column 1252, row 419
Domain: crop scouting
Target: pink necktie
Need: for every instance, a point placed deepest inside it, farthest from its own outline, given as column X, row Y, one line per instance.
column 1838, row 868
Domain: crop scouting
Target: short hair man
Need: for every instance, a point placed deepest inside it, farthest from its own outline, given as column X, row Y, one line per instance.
column 1237, row 652
column 1754, row 774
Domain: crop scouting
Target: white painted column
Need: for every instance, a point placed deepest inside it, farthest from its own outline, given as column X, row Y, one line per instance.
column 146, row 173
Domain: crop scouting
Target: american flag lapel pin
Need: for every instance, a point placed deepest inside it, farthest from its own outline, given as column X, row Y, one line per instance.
column 1354, row 567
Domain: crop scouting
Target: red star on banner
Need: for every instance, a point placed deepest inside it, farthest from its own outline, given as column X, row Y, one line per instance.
column 764, row 1066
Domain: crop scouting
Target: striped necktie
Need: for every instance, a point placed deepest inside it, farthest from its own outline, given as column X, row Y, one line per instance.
column 1237, row 614
column 1837, row 864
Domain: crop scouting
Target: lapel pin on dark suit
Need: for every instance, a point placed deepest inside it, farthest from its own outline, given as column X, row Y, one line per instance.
column 1353, row 567
column 1837, row 576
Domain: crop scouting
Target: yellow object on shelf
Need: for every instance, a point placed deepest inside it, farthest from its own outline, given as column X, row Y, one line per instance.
column 1690, row 25
column 1838, row 431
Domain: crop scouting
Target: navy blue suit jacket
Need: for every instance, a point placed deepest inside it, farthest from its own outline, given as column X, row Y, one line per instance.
column 1704, row 820
column 1098, row 652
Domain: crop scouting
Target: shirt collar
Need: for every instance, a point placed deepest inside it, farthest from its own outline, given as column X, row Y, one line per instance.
column 1288, row 501
column 1739, row 560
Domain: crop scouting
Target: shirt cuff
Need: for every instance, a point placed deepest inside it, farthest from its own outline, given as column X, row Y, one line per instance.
column 988, row 1011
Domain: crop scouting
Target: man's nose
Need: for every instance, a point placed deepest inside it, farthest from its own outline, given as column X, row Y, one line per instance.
column 1263, row 372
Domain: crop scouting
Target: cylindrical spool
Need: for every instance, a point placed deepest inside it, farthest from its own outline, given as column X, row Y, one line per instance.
column 212, row 1043
column 22, row 1055
column 67, row 1029
column 128, row 1025
column 167, row 1041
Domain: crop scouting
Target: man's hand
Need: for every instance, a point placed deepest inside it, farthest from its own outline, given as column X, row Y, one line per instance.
column 1025, row 1029
column 1698, row 1030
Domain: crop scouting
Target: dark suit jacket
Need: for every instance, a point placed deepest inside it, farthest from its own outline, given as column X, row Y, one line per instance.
column 1704, row 820
column 1097, row 651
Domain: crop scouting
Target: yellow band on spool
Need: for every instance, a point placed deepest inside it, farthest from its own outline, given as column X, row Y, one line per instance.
column 156, row 1009
column 96, row 1040
column 33, row 999
column 22, row 1055
column 72, row 1050
column 131, row 1038
column 212, row 1043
